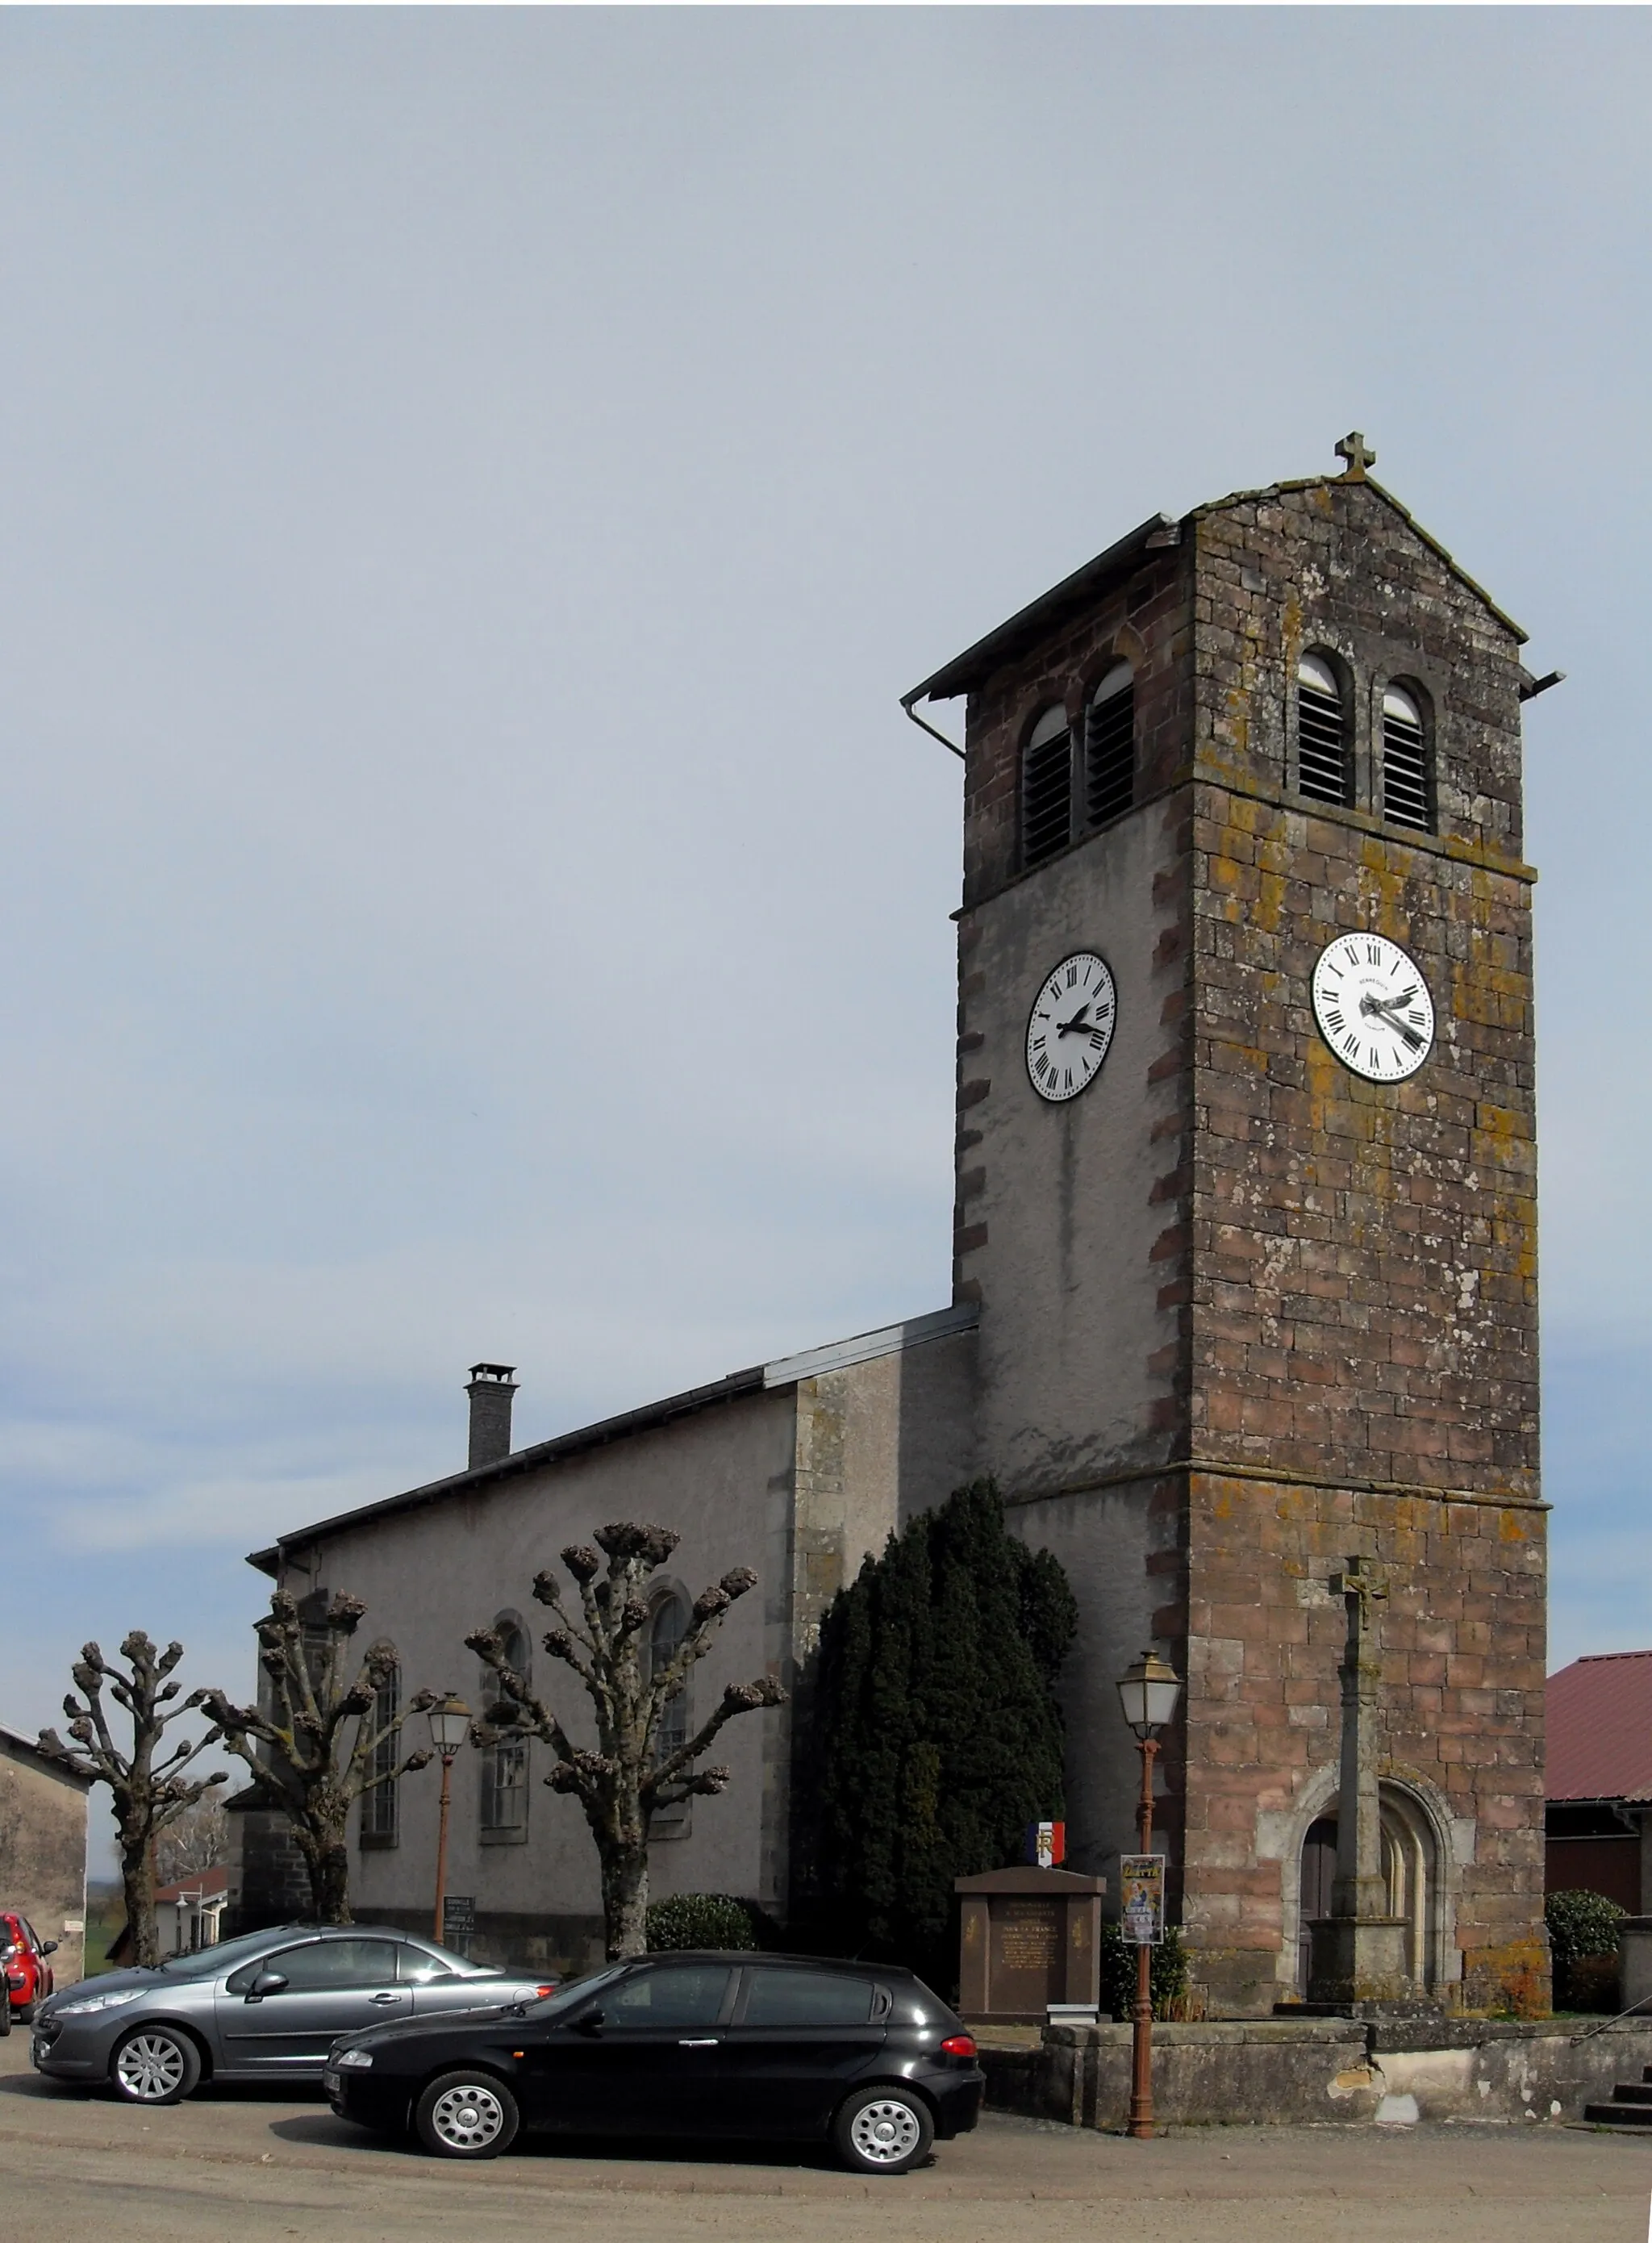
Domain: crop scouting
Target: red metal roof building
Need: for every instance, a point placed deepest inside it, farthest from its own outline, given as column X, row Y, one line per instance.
column 1599, row 1785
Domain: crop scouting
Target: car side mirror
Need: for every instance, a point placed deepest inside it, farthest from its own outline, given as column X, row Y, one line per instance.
column 267, row 1982
column 591, row 2021
column 49, row 1947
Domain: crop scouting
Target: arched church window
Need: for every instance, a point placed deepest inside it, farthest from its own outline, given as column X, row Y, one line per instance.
column 1405, row 790
column 1110, row 745
column 668, row 1625
column 1046, row 787
column 504, row 1819
column 666, row 1632
column 378, row 1800
column 1322, row 758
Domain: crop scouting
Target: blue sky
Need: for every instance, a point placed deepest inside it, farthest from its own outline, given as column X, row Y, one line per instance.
column 476, row 486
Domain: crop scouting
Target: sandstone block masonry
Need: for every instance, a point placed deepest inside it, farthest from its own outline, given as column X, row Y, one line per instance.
column 1296, row 1310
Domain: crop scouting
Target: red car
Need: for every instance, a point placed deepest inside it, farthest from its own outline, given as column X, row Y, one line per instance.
column 29, row 1976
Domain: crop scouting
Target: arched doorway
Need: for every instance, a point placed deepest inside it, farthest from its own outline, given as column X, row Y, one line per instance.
column 1410, row 1871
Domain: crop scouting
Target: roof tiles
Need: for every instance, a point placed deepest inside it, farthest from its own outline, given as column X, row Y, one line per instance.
column 1600, row 1727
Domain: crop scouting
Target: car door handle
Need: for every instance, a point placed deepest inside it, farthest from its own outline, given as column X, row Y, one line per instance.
column 697, row 2044
column 384, row 1998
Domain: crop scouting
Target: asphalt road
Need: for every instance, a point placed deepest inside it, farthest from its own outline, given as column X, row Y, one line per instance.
column 252, row 2167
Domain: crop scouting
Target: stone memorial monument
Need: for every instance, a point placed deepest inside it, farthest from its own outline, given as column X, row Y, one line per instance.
column 1028, row 1937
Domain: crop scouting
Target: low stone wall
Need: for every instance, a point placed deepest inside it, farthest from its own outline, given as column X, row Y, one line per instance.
column 1321, row 2071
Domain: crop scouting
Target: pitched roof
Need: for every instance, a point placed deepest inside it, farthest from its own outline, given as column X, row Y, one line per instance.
column 1600, row 1727
column 762, row 1377
column 977, row 663
column 1334, row 482
column 21, row 1747
column 205, row 1884
column 1029, row 623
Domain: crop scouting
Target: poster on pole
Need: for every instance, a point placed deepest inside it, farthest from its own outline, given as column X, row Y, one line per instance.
column 1141, row 1891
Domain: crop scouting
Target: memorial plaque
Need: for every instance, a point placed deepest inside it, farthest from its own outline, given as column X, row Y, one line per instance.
column 1026, row 1963
column 1027, row 1938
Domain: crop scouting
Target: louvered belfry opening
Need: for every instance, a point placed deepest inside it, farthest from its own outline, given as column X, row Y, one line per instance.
column 1405, row 762
column 1322, row 756
column 1109, row 745
column 1046, row 788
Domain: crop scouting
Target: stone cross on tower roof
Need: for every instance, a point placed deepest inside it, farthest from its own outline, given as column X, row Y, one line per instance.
column 1358, row 455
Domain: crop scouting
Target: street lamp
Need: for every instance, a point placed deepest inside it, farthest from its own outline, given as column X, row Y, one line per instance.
column 1148, row 1693
column 449, row 1720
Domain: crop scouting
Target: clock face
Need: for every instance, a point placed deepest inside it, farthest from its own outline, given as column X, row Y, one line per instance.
column 1071, row 1026
column 1372, row 1007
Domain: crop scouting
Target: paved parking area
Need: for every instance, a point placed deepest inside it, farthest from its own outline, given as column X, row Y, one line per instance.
column 255, row 2166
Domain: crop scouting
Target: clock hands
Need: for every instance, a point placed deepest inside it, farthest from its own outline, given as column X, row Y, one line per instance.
column 1386, row 1008
column 1078, row 999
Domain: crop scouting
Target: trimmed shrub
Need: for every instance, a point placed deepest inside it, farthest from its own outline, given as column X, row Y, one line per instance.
column 1581, row 1925
column 1169, row 1979
column 700, row 1920
column 935, row 1737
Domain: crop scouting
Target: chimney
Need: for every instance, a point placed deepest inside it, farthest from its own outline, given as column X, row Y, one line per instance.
column 490, row 1391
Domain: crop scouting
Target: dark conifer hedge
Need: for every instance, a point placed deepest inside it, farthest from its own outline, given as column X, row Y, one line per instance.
column 935, row 1736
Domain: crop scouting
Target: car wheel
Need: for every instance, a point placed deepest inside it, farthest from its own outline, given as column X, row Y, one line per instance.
column 466, row 2114
column 26, row 2013
column 156, row 2064
column 883, row 2130
column 5, row 2018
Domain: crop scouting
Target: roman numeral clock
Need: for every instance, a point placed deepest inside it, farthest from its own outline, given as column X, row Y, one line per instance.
column 1372, row 1007
column 1071, row 1026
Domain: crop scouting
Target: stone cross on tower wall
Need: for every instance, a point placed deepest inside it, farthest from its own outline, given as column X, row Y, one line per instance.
column 1361, row 1891
column 1358, row 1951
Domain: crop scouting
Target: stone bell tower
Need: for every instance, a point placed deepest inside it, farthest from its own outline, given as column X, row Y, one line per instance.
column 1245, row 1193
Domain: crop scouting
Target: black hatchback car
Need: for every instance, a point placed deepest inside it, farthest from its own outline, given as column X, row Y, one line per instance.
column 741, row 2046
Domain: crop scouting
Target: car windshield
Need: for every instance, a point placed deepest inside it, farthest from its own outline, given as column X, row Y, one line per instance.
column 577, row 1990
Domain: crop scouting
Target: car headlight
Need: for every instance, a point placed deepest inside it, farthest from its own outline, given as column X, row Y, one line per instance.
column 353, row 2059
column 111, row 2000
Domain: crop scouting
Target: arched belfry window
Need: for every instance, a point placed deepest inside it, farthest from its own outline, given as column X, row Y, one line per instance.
column 1046, row 787
column 1322, row 757
column 504, row 1819
column 1110, row 745
column 1406, row 790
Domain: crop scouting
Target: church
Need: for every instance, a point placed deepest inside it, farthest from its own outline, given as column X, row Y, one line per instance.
column 1245, row 1296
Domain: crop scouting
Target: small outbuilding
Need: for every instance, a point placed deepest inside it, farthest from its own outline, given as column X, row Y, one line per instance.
column 43, row 1849
column 189, row 1915
column 1599, row 1788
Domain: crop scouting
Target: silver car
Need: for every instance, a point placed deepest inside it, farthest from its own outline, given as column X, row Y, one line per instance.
column 267, row 2006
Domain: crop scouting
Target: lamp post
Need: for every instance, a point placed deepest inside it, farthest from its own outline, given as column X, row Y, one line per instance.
column 1148, row 1693
column 449, row 1721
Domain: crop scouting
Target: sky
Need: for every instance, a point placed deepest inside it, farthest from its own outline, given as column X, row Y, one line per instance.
column 475, row 486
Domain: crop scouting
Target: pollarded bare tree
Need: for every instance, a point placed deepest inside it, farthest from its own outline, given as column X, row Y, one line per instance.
column 147, row 1786
column 623, row 1783
column 320, row 1744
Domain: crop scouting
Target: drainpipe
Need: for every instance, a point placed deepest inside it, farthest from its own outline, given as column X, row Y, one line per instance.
column 907, row 700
